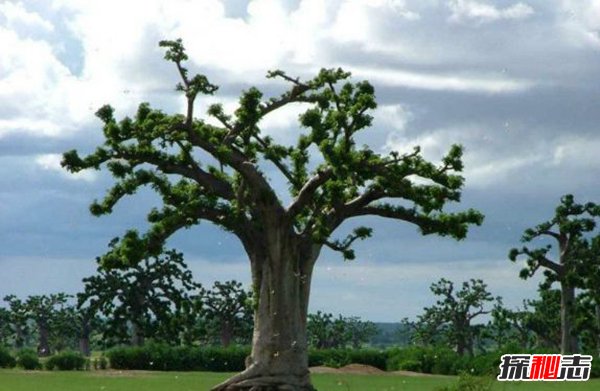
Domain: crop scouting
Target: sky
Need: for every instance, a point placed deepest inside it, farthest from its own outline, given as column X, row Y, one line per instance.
column 515, row 82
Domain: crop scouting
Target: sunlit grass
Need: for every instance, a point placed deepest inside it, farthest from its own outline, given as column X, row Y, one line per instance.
column 16, row 380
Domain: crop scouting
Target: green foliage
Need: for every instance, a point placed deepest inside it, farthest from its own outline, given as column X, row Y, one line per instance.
column 17, row 317
column 227, row 312
column 47, row 312
column 443, row 361
column 544, row 319
column 424, row 359
column 162, row 151
column 568, row 227
column 327, row 332
column 6, row 359
column 468, row 382
column 227, row 359
column 336, row 358
column 170, row 358
column 66, row 361
column 508, row 326
column 151, row 296
column 450, row 318
column 6, row 331
column 102, row 363
column 28, row 359
column 218, row 359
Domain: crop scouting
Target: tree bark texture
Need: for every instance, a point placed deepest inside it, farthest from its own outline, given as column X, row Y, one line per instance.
column 44, row 344
column 567, row 301
column 597, row 310
column 281, row 275
column 84, row 346
column 137, row 335
column 84, row 339
column 226, row 333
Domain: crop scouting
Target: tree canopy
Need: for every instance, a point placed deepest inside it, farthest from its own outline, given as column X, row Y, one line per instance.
column 329, row 177
column 569, row 228
column 221, row 173
column 143, row 299
column 454, row 311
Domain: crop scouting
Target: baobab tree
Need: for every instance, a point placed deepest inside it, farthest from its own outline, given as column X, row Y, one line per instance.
column 45, row 310
column 217, row 173
column 568, row 227
column 226, row 311
column 146, row 296
column 18, row 317
column 454, row 312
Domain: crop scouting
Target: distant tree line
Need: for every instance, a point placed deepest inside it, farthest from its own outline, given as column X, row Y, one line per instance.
column 566, row 315
column 158, row 300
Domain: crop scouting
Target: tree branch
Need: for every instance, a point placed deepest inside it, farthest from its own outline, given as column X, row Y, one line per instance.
column 203, row 178
column 308, row 190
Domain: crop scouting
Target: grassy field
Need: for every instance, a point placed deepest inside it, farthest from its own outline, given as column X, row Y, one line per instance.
column 15, row 380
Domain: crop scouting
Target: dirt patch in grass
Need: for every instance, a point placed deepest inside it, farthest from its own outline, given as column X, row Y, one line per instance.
column 361, row 369
column 322, row 369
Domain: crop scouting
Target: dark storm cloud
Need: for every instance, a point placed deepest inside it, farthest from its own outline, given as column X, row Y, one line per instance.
column 519, row 90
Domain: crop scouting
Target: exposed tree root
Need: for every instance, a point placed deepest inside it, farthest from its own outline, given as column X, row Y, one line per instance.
column 255, row 378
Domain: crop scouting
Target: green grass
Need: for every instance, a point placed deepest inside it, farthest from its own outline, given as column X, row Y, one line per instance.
column 16, row 380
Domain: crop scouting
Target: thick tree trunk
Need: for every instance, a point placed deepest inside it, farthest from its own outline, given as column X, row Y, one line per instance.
column 19, row 337
column 597, row 308
column 464, row 339
column 84, row 339
column 567, row 301
column 137, row 336
column 84, row 346
column 226, row 334
column 281, row 274
column 44, row 344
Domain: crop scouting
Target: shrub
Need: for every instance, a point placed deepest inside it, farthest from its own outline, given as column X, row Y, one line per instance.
column 6, row 359
column 128, row 358
column 169, row 358
column 231, row 359
column 66, row 361
column 468, row 382
column 334, row 358
column 339, row 357
column 409, row 365
column 484, row 364
column 414, row 358
column 28, row 359
column 372, row 357
column 102, row 363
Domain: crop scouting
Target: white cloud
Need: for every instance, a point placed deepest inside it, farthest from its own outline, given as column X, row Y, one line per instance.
column 577, row 152
column 490, row 156
column 580, row 22
column 33, row 87
column 481, row 172
column 356, row 19
column 395, row 116
column 44, row 98
column 51, row 162
column 481, row 12
column 439, row 82
column 17, row 17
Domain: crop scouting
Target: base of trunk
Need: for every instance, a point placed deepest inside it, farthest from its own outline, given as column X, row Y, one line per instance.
column 255, row 378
